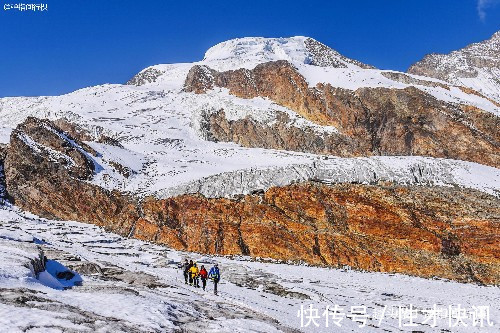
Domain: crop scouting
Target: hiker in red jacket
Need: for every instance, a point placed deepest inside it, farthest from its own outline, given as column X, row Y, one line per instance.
column 203, row 276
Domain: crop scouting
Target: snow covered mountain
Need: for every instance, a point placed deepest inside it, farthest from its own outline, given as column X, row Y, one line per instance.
column 248, row 52
column 315, row 61
column 251, row 51
column 164, row 156
column 267, row 148
column 476, row 66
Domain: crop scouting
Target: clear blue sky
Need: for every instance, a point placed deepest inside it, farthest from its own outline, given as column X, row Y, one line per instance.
column 80, row 43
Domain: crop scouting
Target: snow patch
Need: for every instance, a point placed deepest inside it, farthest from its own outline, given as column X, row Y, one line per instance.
column 335, row 170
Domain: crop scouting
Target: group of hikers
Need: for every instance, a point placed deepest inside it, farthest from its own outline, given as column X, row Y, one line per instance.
column 193, row 274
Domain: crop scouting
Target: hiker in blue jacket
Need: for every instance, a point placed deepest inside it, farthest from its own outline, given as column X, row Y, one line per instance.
column 214, row 274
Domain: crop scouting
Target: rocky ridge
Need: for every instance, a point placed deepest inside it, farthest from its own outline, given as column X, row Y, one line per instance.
column 370, row 121
column 476, row 66
column 425, row 231
column 46, row 173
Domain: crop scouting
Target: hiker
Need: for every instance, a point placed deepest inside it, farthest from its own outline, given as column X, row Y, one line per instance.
column 188, row 272
column 194, row 276
column 185, row 270
column 215, row 276
column 203, row 276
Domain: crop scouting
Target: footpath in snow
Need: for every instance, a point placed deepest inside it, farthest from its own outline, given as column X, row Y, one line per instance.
column 133, row 286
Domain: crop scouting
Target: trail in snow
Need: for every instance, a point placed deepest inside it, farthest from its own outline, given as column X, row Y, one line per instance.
column 132, row 285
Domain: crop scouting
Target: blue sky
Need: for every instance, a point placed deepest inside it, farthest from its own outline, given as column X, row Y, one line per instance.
column 79, row 43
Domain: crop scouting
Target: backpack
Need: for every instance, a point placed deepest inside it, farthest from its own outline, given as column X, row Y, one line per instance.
column 214, row 273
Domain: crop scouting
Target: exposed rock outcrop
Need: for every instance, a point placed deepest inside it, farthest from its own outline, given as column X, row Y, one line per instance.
column 379, row 121
column 324, row 56
column 28, row 261
column 475, row 66
column 146, row 76
column 439, row 231
column 3, row 187
column 280, row 135
column 82, row 134
column 47, row 171
column 407, row 79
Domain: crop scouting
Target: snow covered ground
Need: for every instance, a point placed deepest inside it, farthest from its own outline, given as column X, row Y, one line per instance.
column 129, row 285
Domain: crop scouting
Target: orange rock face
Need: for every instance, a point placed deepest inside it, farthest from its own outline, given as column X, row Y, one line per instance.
column 422, row 231
column 371, row 121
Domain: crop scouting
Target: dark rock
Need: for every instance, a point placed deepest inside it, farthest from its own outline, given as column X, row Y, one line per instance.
column 250, row 133
column 200, row 78
column 146, row 76
column 67, row 275
column 82, row 134
column 449, row 247
column 324, row 56
column 123, row 170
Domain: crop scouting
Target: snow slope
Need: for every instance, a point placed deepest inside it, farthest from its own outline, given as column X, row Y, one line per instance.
column 164, row 147
column 136, row 286
column 317, row 64
column 159, row 125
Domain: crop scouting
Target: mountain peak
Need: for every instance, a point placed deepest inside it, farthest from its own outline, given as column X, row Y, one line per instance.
column 475, row 66
column 247, row 52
